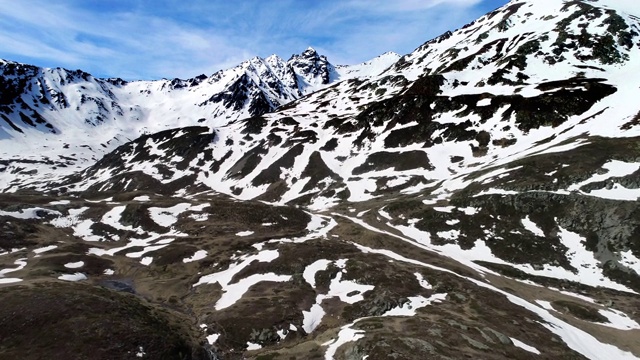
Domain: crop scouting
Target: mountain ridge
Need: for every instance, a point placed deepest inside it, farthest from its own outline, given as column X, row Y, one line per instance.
column 75, row 102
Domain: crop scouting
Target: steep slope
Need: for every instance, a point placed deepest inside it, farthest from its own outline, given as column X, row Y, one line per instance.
column 477, row 198
column 75, row 118
column 435, row 115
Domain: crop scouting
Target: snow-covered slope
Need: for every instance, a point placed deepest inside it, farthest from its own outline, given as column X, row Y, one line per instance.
column 460, row 115
column 369, row 68
column 517, row 82
column 67, row 119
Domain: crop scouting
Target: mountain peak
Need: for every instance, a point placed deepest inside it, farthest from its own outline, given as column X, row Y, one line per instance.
column 309, row 54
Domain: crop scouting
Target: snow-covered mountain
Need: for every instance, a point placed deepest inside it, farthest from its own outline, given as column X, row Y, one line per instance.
column 514, row 83
column 477, row 196
column 75, row 118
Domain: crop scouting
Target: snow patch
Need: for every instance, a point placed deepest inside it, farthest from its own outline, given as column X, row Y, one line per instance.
column 73, row 277
column 211, row 339
column 619, row 320
column 524, row 346
column 532, row 227
column 199, row 255
column 74, row 265
column 415, row 303
column 424, row 283
column 45, row 249
column 310, row 271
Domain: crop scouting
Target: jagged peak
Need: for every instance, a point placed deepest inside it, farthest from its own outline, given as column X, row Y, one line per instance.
column 309, row 54
column 389, row 53
column 273, row 58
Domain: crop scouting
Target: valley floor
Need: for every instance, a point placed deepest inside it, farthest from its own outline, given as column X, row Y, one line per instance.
column 246, row 279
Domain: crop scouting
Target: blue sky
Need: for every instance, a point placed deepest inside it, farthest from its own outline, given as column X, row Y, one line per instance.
column 152, row 39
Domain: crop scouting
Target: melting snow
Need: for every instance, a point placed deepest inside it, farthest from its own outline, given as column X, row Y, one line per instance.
column 199, row 255
column 524, row 346
column 224, row 277
column 348, row 291
column 449, row 235
column 73, row 277
column 112, row 217
column 21, row 264
column 244, row 233
column 614, row 168
column 9, row 280
column 45, row 249
column 577, row 296
column 310, row 271
column 619, row 320
column 31, row 213
column 74, row 265
column 470, row 210
column 385, row 214
column 631, row 261
column 424, row 283
column 617, row 192
column 346, row 334
column 484, row 102
column 234, row 292
column 168, row 216
column 532, row 227
column 415, row 303
column 362, row 213
column 575, row 338
column 588, row 270
column 199, row 217
column 545, row 305
column 211, row 339
column 71, row 220
column 140, row 352
column 312, row 318
column 495, row 191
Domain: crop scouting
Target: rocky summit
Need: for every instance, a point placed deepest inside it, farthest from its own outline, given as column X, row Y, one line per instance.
column 476, row 198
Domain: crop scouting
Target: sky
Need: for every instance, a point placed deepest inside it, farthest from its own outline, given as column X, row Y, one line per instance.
column 153, row 39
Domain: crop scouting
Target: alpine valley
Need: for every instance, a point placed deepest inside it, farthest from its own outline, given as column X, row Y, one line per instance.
column 476, row 198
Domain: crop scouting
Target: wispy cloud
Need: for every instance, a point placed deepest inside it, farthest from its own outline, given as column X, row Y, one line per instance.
column 171, row 38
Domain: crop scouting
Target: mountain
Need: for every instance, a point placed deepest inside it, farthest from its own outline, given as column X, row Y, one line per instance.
column 48, row 110
column 475, row 198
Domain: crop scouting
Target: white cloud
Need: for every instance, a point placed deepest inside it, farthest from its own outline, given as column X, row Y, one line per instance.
column 183, row 39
